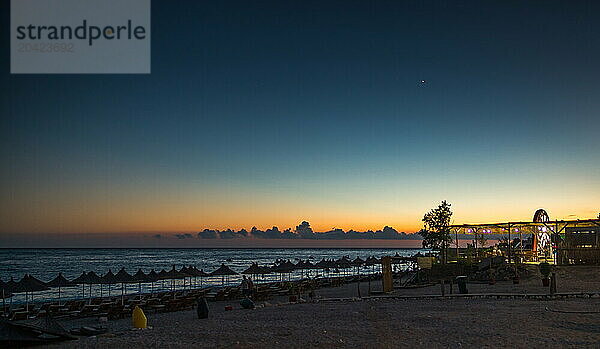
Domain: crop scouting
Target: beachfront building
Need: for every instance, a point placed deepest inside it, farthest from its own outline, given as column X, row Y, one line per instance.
column 581, row 245
column 558, row 241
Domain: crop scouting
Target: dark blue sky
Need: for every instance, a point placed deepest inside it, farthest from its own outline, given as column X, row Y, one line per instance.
column 301, row 107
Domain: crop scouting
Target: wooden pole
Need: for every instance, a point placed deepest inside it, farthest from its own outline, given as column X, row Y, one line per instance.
column 557, row 239
column 521, row 239
column 358, row 283
column 456, row 232
column 509, row 245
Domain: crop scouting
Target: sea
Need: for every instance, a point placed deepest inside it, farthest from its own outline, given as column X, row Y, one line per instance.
column 46, row 263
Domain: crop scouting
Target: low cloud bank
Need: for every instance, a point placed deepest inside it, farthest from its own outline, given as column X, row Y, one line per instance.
column 184, row 236
column 304, row 231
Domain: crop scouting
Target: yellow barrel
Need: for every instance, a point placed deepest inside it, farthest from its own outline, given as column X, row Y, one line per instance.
column 139, row 318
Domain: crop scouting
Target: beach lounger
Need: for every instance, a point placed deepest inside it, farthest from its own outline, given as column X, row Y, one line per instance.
column 19, row 315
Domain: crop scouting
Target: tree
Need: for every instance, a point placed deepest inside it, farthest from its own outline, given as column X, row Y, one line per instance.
column 436, row 229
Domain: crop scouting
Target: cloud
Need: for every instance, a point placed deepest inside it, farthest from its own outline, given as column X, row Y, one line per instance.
column 304, row 231
column 184, row 236
column 230, row 234
column 208, row 234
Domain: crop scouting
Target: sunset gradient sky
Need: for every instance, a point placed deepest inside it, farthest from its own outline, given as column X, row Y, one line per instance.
column 270, row 113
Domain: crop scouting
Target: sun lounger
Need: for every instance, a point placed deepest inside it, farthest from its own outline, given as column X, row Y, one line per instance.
column 19, row 315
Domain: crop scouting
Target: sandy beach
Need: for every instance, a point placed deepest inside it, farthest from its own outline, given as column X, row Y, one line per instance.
column 381, row 323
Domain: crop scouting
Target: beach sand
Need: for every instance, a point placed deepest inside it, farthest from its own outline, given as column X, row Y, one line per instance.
column 380, row 323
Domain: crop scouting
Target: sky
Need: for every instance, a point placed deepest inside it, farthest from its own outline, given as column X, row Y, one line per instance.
column 273, row 112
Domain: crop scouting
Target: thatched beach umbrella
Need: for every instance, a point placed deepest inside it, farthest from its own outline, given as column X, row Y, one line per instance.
column 5, row 292
column 308, row 265
column 303, row 265
column 123, row 277
column 372, row 261
column 343, row 263
column 264, row 270
column 358, row 262
column 283, row 268
column 60, row 281
column 31, row 280
column 140, row 277
column 109, row 279
column 87, row 279
column 255, row 270
column 223, row 271
column 331, row 264
column 187, row 272
column 93, row 279
column 201, row 274
column 11, row 285
column 162, row 276
column 322, row 264
column 152, row 277
column 29, row 284
column 194, row 273
column 80, row 280
column 173, row 275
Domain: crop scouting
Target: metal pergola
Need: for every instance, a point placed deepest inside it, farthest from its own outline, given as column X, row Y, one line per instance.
column 513, row 229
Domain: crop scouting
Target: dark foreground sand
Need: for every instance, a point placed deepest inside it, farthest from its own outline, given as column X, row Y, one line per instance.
column 381, row 323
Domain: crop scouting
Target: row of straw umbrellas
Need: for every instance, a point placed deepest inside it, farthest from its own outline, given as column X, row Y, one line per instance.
column 29, row 284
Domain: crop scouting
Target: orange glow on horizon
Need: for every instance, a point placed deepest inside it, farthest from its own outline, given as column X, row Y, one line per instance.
column 177, row 208
column 185, row 219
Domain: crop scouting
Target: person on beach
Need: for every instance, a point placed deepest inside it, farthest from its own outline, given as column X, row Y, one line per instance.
column 250, row 288
column 245, row 286
column 311, row 290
